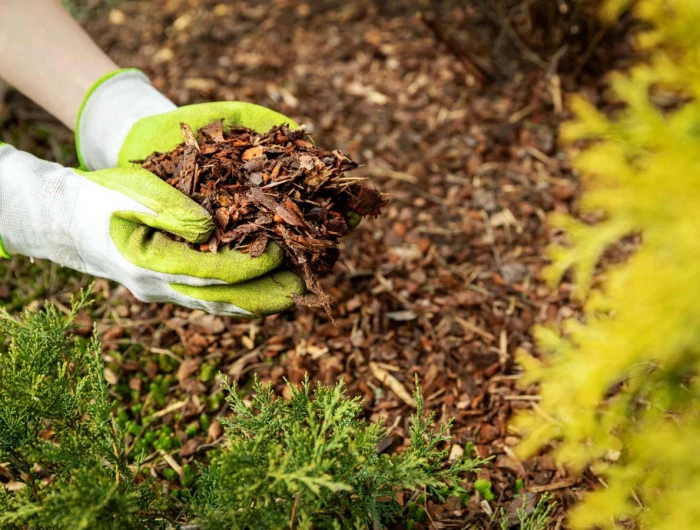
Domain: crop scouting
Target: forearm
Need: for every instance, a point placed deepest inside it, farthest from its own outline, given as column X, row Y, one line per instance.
column 46, row 55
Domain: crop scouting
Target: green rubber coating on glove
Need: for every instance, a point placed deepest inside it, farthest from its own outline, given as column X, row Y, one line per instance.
column 175, row 213
column 263, row 296
column 161, row 133
column 82, row 107
column 3, row 251
column 155, row 251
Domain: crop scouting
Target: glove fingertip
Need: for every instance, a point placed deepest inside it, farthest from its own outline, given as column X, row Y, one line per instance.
column 268, row 295
column 195, row 229
column 291, row 283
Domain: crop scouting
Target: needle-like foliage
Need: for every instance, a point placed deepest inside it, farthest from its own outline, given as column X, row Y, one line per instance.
column 621, row 389
column 307, row 462
column 57, row 434
column 310, row 462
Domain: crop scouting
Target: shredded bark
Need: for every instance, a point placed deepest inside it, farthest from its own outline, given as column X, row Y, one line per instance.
column 276, row 186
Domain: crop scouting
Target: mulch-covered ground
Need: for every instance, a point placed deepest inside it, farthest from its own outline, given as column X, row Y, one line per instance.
column 444, row 284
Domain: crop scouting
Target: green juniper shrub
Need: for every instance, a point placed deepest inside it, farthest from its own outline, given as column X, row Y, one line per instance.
column 309, row 460
column 533, row 519
column 312, row 460
column 58, row 435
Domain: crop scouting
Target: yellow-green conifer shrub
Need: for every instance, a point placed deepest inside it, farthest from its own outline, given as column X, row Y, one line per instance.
column 620, row 389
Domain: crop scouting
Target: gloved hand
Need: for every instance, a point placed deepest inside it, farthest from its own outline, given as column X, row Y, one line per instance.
column 123, row 119
column 109, row 223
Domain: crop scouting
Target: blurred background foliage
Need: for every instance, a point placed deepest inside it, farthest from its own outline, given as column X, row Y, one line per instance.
column 620, row 389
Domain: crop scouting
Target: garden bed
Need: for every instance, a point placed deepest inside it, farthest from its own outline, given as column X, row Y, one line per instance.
column 444, row 284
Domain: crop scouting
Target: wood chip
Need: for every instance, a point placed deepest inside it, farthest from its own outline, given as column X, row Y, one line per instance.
column 215, row 131
column 394, row 384
column 237, row 368
column 253, row 152
column 257, row 247
column 188, row 135
column 187, row 368
column 190, row 447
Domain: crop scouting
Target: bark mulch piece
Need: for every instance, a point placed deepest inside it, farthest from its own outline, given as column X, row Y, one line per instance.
column 275, row 186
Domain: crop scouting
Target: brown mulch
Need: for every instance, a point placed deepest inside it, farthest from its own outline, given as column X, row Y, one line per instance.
column 444, row 284
column 272, row 186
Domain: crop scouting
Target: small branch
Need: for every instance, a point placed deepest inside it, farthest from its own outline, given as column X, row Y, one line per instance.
column 294, row 511
column 592, row 45
column 554, row 61
column 430, row 19
column 500, row 19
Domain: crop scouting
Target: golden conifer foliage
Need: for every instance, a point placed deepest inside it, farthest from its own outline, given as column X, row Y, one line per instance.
column 620, row 389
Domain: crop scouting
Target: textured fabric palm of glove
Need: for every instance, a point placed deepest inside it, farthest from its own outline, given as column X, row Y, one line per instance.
column 111, row 223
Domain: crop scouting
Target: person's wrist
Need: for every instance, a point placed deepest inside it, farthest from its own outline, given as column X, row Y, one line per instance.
column 111, row 107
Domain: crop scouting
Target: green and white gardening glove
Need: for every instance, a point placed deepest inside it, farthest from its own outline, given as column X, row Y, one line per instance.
column 111, row 223
column 123, row 119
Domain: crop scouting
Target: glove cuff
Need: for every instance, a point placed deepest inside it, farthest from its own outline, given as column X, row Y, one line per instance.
column 3, row 251
column 111, row 107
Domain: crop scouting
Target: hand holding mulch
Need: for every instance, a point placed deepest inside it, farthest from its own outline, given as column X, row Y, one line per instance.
column 275, row 186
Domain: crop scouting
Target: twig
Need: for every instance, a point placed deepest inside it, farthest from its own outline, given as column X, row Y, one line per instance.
column 470, row 326
column 170, row 408
column 500, row 19
column 394, row 384
column 133, row 442
column 173, row 464
column 430, row 19
column 522, row 398
column 554, row 61
column 294, row 510
column 554, row 485
column 522, row 113
column 595, row 41
column 236, row 370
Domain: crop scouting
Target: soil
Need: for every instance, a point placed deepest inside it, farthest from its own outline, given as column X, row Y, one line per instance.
column 444, row 284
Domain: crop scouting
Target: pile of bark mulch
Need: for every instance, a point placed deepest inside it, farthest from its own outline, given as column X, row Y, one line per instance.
column 444, row 284
column 275, row 186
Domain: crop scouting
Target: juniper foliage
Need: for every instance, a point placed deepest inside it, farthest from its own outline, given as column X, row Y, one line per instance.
column 57, row 434
column 536, row 519
column 307, row 461
column 620, row 389
column 310, row 462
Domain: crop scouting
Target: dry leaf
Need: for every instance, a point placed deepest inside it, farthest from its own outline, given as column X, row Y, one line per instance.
column 253, row 152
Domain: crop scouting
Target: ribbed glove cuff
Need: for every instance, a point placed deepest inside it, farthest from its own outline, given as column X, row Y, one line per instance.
column 109, row 111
